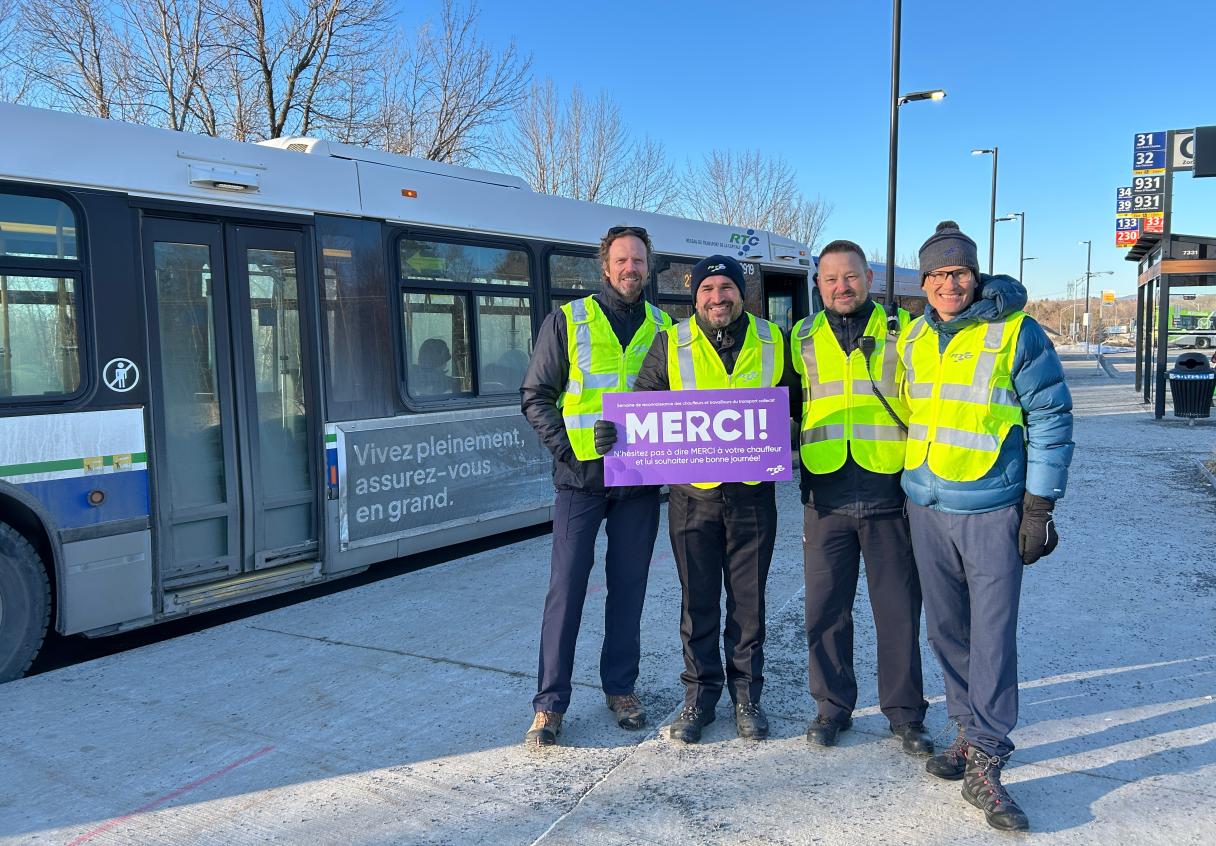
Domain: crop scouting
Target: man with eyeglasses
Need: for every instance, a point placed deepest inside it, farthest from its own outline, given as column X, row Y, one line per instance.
column 988, row 449
column 585, row 349
column 852, row 451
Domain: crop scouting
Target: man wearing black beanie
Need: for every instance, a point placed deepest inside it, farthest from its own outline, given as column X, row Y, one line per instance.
column 988, row 448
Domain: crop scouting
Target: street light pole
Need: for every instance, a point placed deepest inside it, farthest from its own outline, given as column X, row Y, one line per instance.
column 1021, row 218
column 1089, row 249
column 995, row 153
column 893, row 159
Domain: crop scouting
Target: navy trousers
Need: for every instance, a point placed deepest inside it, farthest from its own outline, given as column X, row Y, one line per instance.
column 722, row 537
column 971, row 576
column 833, row 544
column 632, row 526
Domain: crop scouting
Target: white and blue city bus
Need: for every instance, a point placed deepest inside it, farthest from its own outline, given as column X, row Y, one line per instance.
column 229, row 370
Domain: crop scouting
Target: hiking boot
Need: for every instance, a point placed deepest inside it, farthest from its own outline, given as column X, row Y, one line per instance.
column 823, row 731
column 982, row 788
column 751, row 720
column 916, row 740
column 951, row 761
column 628, row 709
column 546, row 726
column 687, row 727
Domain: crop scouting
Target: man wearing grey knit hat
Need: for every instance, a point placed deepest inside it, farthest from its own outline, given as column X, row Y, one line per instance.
column 988, row 448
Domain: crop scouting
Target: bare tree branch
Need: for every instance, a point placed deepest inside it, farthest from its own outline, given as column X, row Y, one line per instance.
column 580, row 148
column 73, row 55
column 751, row 189
column 446, row 91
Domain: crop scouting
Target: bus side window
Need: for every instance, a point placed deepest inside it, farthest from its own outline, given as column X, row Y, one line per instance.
column 452, row 293
column 39, row 335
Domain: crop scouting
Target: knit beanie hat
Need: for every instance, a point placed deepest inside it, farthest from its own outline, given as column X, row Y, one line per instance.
column 717, row 266
column 948, row 247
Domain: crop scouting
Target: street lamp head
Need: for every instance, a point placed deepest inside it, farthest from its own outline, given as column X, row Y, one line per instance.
column 980, row 152
column 935, row 94
column 1085, row 242
column 1006, row 217
column 1030, row 258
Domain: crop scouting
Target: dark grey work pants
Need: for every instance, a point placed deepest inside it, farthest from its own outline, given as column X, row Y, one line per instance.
column 832, row 549
column 633, row 524
column 971, row 575
column 722, row 536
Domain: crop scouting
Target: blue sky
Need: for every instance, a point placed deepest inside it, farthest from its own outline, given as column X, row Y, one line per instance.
column 1060, row 87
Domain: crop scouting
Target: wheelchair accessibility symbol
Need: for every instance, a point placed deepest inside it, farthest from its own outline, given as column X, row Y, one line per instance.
column 120, row 375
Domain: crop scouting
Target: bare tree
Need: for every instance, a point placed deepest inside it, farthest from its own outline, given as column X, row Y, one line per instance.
column 168, row 57
column 580, row 148
column 443, row 93
column 73, row 55
column 14, row 80
column 277, row 75
column 751, row 189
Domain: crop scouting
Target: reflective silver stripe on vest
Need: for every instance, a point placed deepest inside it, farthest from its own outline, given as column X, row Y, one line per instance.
column 655, row 313
column 918, row 329
column 920, row 390
column 862, row 432
column 1004, row 396
column 967, row 440
column 918, row 431
column 582, row 339
column 814, row 387
column 890, row 358
column 604, row 381
column 580, row 421
column 981, row 377
column 815, row 434
column 767, row 352
column 688, row 373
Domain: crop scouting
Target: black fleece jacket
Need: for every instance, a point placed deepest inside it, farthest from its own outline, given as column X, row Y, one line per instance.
column 548, row 372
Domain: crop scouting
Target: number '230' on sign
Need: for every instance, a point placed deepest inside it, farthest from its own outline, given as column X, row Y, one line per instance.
column 681, row 437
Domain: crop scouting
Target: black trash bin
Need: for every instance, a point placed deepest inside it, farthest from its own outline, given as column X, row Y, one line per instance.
column 1191, row 384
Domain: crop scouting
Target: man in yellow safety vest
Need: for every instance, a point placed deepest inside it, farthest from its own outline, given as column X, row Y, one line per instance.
column 852, row 449
column 585, row 349
column 989, row 445
column 720, row 533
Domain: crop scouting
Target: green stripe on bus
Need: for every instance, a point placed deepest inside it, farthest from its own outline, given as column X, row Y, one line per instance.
column 62, row 464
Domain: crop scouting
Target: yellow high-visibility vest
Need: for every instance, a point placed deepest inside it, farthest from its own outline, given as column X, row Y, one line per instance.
column 598, row 365
column 962, row 401
column 694, row 364
column 839, row 409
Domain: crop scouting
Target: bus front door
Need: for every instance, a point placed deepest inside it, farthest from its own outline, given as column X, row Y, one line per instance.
column 232, row 412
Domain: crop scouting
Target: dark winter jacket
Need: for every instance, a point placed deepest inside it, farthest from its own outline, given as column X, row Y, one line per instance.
column 852, row 489
column 548, row 373
column 1034, row 457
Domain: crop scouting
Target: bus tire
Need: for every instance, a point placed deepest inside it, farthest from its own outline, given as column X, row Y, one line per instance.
column 25, row 603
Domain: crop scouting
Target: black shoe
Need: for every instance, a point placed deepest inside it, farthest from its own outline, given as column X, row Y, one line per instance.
column 751, row 720
column 824, row 730
column 628, row 709
column 951, row 761
column 982, row 788
column 916, row 740
column 687, row 727
column 546, row 726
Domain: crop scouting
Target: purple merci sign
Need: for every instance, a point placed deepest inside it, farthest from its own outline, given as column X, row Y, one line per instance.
column 680, row 437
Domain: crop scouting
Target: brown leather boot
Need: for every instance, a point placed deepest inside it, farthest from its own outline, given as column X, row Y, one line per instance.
column 546, row 726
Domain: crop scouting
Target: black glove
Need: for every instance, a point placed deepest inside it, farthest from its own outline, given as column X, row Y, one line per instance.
column 1037, row 534
column 605, row 436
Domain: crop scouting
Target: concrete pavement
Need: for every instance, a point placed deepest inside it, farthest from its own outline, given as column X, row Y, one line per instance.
column 393, row 712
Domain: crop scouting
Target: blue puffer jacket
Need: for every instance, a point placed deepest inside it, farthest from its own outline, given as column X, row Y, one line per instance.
column 1034, row 457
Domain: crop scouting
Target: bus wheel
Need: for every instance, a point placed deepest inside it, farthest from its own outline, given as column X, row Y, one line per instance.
column 25, row 603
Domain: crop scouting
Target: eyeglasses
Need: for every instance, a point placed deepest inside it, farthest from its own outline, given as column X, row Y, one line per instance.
column 963, row 274
column 628, row 230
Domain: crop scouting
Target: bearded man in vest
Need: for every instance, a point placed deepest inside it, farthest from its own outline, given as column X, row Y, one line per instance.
column 720, row 533
column 585, row 349
column 852, row 449
column 989, row 445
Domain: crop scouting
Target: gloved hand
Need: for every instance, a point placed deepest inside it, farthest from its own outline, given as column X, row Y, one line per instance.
column 1037, row 534
column 605, row 436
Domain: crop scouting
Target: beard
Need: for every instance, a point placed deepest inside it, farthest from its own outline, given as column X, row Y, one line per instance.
column 629, row 284
column 721, row 322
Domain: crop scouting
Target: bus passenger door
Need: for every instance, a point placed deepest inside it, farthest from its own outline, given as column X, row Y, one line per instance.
column 231, row 406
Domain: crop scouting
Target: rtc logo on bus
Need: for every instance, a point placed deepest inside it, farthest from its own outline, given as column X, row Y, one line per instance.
column 744, row 242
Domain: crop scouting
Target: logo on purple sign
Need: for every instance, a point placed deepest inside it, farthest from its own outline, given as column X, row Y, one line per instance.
column 680, row 437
